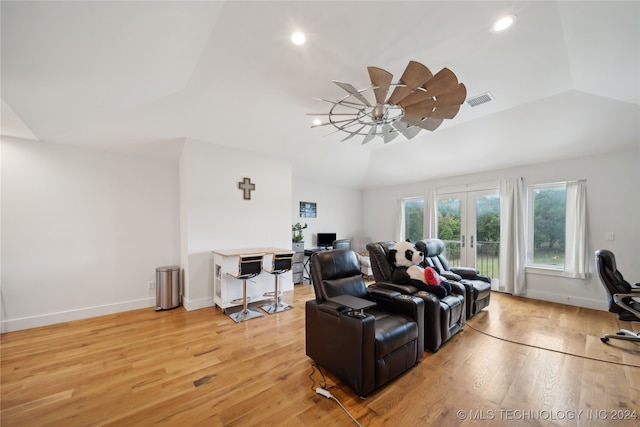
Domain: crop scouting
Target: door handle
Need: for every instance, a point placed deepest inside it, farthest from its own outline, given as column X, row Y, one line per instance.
column 463, row 241
column 471, row 242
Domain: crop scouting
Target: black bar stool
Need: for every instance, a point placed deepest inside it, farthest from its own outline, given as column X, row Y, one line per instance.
column 282, row 262
column 249, row 266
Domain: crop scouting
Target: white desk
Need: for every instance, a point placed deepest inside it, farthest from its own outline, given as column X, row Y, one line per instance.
column 227, row 291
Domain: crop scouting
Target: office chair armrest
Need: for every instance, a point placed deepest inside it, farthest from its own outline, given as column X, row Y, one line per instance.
column 617, row 298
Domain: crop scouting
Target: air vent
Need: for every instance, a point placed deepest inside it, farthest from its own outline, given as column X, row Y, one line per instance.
column 480, row 99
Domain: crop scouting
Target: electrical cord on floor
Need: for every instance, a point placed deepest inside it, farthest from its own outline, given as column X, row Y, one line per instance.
column 550, row 349
column 324, row 391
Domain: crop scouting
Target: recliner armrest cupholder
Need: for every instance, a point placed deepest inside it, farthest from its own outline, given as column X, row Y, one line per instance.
column 357, row 314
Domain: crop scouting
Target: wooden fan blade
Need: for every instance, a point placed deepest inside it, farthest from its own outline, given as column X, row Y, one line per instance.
column 415, row 97
column 407, row 131
column 414, row 76
column 445, row 112
column 443, row 81
column 381, row 80
column 421, row 109
column 353, row 91
column 454, row 97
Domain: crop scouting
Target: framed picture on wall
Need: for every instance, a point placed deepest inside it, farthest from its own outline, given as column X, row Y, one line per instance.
column 308, row 210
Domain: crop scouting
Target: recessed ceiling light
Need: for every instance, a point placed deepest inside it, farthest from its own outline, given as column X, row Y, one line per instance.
column 298, row 38
column 503, row 23
column 317, row 122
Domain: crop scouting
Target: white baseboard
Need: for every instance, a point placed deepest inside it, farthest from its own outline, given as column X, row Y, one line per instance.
column 197, row 304
column 10, row 325
column 569, row 300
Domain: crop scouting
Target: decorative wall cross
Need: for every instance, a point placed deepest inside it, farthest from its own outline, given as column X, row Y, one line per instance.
column 246, row 186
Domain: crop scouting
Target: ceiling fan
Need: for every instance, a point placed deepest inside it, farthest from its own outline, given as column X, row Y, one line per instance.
column 420, row 100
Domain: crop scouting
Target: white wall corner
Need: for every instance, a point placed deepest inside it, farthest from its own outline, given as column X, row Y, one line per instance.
column 197, row 304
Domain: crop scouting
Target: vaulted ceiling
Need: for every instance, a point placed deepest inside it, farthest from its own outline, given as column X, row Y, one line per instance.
column 142, row 77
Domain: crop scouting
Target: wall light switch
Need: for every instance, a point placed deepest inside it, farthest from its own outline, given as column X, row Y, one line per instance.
column 610, row 236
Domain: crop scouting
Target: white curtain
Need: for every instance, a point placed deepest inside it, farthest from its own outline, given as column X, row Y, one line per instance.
column 576, row 262
column 512, row 244
column 431, row 215
column 400, row 225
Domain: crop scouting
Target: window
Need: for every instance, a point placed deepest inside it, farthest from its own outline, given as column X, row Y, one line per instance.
column 412, row 219
column 546, row 225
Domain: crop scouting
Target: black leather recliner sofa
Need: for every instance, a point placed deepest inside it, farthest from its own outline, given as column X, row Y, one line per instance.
column 443, row 317
column 364, row 348
column 477, row 287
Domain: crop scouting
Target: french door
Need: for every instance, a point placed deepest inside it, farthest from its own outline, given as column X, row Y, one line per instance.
column 469, row 225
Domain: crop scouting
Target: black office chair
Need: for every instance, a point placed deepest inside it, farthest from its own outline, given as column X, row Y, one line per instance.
column 341, row 244
column 621, row 295
column 249, row 266
column 282, row 262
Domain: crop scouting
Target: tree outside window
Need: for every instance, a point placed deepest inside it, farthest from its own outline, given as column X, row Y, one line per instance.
column 547, row 220
column 414, row 219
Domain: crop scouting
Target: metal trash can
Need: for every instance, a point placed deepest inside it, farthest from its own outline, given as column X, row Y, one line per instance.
column 167, row 287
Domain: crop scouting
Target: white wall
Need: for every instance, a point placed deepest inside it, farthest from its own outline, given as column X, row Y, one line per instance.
column 82, row 231
column 613, row 206
column 214, row 214
column 339, row 211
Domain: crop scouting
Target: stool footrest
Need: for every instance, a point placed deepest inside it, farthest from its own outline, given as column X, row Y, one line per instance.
column 272, row 294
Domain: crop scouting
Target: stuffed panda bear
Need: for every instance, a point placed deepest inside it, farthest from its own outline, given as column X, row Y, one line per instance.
column 406, row 260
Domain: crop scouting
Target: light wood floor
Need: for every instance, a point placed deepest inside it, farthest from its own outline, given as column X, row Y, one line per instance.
column 200, row 368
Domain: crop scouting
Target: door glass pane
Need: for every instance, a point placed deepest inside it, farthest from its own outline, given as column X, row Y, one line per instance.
column 487, row 245
column 449, row 228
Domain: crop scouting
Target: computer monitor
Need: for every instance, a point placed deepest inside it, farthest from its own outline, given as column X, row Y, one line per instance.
column 326, row 239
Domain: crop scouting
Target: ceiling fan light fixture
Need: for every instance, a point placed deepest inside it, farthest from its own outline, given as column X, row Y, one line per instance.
column 503, row 23
column 418, row 100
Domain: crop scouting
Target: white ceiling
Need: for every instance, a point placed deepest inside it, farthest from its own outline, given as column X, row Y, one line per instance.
column 141, row 77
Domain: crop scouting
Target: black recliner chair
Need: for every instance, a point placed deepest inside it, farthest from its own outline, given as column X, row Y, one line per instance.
column 443, row 318
column 364, row 337
column 620, row 294
column 478, row 288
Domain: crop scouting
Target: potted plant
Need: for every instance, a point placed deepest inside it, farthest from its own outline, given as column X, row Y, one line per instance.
column 297, row 232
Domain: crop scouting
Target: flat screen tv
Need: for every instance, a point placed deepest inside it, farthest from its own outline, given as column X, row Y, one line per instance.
column 326, row 239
